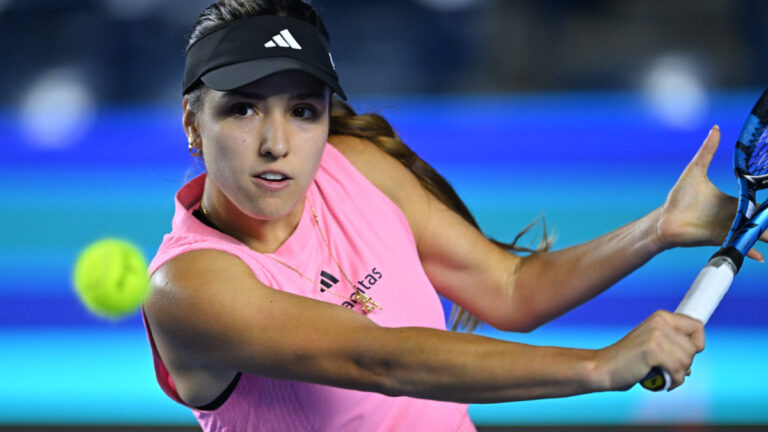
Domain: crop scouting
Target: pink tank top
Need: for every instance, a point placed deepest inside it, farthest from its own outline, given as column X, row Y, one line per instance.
column 371, row 239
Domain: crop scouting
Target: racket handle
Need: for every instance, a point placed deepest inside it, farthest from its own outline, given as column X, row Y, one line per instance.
column 699, row 303
column 657, row 379
column 708, row 289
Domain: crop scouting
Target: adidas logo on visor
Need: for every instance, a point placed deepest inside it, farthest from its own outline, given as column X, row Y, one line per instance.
column 283, row 39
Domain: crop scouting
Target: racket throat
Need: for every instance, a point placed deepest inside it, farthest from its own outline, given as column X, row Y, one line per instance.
column 729, row 256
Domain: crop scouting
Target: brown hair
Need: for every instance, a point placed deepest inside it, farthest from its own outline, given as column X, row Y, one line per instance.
column 345, row 121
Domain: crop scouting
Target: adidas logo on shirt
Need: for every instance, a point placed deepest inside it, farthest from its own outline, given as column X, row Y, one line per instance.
column 327, row 280
column 283, row 39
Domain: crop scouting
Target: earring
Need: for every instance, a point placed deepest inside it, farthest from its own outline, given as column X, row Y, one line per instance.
column 194, row 151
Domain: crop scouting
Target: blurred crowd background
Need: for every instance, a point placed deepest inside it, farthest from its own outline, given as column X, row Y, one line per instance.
column 129, row 51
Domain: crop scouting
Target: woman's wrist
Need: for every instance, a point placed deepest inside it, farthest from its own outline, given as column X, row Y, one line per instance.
column 598, row 376
column 658, row 236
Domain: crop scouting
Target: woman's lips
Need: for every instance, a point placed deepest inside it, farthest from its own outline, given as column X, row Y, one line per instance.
column 273, row 181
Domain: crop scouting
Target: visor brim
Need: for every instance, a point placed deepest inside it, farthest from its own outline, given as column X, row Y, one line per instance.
column 234, row 76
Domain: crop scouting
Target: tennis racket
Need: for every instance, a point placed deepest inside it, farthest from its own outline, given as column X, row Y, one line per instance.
column 750, row 162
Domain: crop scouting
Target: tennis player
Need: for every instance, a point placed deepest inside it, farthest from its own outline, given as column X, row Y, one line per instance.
column 298, row 288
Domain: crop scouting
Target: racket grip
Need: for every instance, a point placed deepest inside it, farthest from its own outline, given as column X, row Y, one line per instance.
column 657, row 379
column 699, row 303
column 708, row 289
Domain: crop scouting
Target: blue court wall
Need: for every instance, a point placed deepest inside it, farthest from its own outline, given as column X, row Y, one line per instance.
column 587, row 162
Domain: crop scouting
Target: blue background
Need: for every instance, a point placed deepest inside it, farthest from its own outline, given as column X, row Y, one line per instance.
column 589, row 162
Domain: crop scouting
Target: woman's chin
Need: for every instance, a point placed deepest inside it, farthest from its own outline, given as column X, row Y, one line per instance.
column 273, row 210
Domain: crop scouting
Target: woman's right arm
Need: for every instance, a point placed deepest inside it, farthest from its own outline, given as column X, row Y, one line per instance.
column 212, row 310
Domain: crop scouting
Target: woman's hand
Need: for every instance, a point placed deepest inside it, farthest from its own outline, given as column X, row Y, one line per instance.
column 664, row 339
column 696, row 212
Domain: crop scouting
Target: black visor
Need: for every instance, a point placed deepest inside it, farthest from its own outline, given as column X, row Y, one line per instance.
column 249, row 49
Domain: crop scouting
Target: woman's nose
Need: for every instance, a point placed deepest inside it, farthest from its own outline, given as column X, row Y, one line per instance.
column 274, row 142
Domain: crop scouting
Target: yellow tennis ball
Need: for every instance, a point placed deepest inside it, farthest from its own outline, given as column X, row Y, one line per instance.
column 110, row 277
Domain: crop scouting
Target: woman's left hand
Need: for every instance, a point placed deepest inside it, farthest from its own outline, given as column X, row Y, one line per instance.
column 696, row 212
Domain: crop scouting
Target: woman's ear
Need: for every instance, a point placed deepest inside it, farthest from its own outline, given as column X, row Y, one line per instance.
column 189, row 121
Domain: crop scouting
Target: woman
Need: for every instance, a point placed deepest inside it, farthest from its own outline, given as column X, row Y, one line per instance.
column 244, row 317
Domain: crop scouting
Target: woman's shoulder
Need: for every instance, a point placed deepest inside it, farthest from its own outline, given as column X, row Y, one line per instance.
column 184, row 278
column 380, row 168
column 179, row 297
column 361, row 152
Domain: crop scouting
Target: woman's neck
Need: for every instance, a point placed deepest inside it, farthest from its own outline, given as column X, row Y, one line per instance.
column 261, row 235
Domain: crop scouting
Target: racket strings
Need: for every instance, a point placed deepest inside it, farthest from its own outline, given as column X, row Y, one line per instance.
column 757, row 165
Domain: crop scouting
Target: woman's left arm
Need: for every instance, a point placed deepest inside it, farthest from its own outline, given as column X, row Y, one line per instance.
column 695, row 213
column 514, row 293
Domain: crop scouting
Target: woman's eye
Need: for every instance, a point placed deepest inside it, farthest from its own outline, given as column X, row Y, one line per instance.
column 242, row 109
column 305, row 113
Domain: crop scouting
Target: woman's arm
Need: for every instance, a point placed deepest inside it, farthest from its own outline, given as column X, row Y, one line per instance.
column 519, row 294
column 550, row 284
column 694, row 213
column 212, row 311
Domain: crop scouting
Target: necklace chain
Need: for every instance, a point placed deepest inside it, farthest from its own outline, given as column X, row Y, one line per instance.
column 368, row 304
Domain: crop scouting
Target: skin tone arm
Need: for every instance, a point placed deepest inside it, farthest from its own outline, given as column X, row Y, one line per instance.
column 210, row 308
column 519, row 294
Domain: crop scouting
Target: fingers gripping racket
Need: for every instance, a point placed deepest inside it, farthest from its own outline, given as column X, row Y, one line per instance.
column 750, row 161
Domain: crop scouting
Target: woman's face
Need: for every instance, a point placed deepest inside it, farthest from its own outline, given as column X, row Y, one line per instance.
column 262, row 143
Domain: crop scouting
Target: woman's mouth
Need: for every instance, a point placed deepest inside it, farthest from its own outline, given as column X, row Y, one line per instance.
column 272, row 181
column 272, row 176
